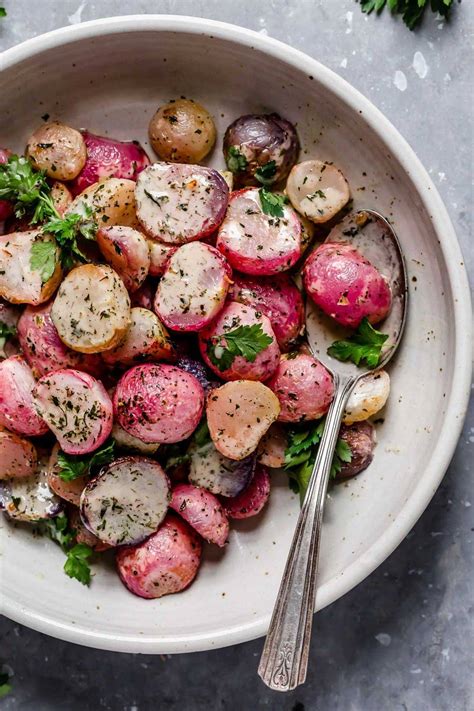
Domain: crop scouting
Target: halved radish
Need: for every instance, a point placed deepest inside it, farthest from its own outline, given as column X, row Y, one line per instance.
column 252, row 499
column 126, row 501
column 213, row 344
column 82, row 534
column 77, row 409
column 29, row 498
column 318, row 190
column 91, row 311
column 44, row 350
column 209, row 469
column 126, row 250
column 193, row 288
column 368, row 397
column 68, row 490
column 17, row 408
column 22, row 275
column 272, row 446
column 159, row 256
column 158, row 403
column 178, row 203
column 202, row 511
column 278, row 298
column 303, row 386
column 146, row 339
column 166, row 563
column 17, row 456
column 255, row 242
column 238, row 414
column 112, row 202
column 360, row 437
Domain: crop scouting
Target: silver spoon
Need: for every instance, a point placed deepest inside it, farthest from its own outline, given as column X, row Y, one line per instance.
column 284, row 659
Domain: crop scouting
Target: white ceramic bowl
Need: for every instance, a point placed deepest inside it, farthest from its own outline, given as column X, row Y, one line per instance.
column 110, row 75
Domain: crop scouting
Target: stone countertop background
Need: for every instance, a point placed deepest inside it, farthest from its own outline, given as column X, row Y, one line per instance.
column 403, row 639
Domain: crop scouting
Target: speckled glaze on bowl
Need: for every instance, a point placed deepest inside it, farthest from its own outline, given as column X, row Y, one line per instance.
column 110, row 75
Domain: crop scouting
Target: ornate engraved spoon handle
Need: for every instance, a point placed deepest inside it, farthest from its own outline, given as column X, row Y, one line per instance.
column 285, row 655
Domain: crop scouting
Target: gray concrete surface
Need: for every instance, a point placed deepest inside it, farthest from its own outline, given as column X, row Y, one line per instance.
column 403, row 638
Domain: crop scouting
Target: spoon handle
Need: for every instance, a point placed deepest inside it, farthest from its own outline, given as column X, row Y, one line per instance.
column 285, row 655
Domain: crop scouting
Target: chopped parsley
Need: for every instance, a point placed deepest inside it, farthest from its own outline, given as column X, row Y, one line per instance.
column 43, row 258
column 300, row 455
column 266, row 173
column 3, row 12
column 236, row 161
column 317, row 193
column 66, row 231
column 5, row 686
column 364, row 346
column 245, row 341
column 272, row 203
column 411, row 11
column 72, row 466
column 6, row 332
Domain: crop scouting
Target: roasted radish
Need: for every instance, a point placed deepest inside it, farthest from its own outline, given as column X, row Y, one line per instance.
column 182, row 131
column 67, row 490
column 361, row 440
column 91, row 311
column 158, row 403
column 109, row 158
column 202, row 511
column 166, row 563
column 17, row 456
column 29, row 498
column 238, row 414
column 128, row 441
column 44, row 350
column 252, row 499
column 126, row 502
column 193, row 288
column 368, row 397
column 17, row 409
column 180, row 203
column 76, row 408
column 233, row 332
column 271, row 450
column 159, row 256
column 256, row 241
column 209, row 469
column 110, row 202
column 317, row 190
column 24, row 276
column 304, row 388
column 345, row 285
column 146, row 339
column 126, row 250
column 58, row 150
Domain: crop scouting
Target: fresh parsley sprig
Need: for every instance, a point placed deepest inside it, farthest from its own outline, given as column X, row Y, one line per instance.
column 5, row 686
column 300, row 455
column 272, row 203
column 30, row 194
column 6, row 332
column 236, row 161
column 77, row 554
column 72, row 466
column 412, row 11
column 3, row 12
column 245, row 341
column 364, row 346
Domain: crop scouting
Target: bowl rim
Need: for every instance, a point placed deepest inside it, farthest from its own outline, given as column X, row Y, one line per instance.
column 458, row 397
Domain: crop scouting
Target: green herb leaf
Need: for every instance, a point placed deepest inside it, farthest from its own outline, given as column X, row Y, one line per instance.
column 412, row 11
column 236, row 161
column 272, row 203
column 245, row 341
column 300, row 455
column 266, row 173
column 365, row 345
column 3, row 12
column 5, row 686
column 58, row 530
column 25, row 187
column 76, row 565
column 6, row 332
column 72, row 466
column 43, row 258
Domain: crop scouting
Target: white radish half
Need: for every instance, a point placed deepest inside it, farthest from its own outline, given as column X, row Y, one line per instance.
column 193, row 288
column 317, row 190
column 368, row 397
column 126, row 502
column 238, row 414
column 178, row 203
column 209, row 469
column 112, row 202
column 91, row 310
column 22, row 280
column 257, row 243
column 146, row 339
column 76, row 408
column 126, row 250
column 159, row 255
